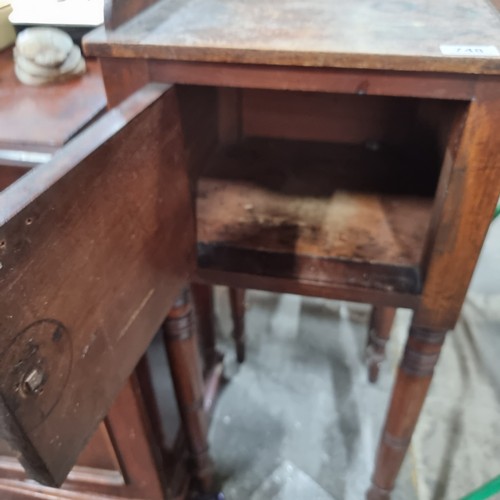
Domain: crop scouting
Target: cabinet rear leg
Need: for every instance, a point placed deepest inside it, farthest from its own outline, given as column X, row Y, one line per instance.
column 379, row 332
column 204, row 306
column 237, row 299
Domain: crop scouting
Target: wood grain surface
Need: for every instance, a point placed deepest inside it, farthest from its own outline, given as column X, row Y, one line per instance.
column 370, row 34
column 94, row 246
column 45, row 118
column 467, row 197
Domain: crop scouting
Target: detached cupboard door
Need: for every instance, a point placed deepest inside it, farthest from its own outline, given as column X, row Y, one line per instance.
column 94, row 247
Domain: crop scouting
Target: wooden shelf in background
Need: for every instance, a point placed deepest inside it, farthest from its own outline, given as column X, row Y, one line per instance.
column 44, row 118
column 344, row 214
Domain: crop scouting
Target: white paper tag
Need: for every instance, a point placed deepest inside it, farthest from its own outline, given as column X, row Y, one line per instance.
column 470, row 50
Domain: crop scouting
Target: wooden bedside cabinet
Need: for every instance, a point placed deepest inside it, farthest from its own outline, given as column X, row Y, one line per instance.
column 331, row 148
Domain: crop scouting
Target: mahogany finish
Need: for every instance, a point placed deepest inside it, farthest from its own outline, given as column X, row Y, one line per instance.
column 42, row 119
column 312, row 79
column 119, row 460
column 197, row 107
column 120, row 81
column 465, row 202
column 222, row 122
column 94, row 220
column 182, row 348
column 318, row 116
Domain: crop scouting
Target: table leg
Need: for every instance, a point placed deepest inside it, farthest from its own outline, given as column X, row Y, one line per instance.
column 413, row 380
column 237, row 299
column 203, row 297
column 379, row 332
column 184, row 358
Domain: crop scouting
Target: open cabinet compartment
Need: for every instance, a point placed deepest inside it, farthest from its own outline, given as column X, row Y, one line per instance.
column 322, row 188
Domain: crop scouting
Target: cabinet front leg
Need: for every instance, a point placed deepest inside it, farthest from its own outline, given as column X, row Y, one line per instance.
column 379, row 332
column 412, row 383
column 185, row 364
column 237, row 300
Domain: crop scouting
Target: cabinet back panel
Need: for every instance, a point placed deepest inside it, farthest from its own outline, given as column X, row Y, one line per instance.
column 326, row 117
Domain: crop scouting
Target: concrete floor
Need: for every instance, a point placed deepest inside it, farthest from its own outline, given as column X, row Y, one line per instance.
column 299, row 420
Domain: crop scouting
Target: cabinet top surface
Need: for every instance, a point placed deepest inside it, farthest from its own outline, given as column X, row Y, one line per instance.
column 460, row 36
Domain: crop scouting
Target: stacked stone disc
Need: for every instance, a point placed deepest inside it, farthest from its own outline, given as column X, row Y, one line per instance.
column 46, row 55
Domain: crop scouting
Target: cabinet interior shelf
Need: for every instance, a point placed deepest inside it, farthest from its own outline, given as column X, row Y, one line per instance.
column 349, row 215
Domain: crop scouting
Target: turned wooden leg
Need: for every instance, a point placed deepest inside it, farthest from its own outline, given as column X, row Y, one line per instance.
column 379, row 331
column 237, row 299
column 413, row 380
column 184, row 358
column 203, row 296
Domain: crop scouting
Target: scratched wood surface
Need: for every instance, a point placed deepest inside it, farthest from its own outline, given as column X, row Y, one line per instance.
column 94, row 247
column 371, row 34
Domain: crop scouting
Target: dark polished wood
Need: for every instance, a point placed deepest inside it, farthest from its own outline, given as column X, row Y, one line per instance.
column 237, row 302
column 120, row 460
column 379, row 331
column 73, row 232
column 183, row 353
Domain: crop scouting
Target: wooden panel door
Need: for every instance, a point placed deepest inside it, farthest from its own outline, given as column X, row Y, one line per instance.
column 94, row 247
column 120, row 460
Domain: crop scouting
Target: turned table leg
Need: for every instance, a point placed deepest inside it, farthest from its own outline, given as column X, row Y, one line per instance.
column 237, row 299
column 184, row 358
column 379, row 331
column 203, row 297
column 413, row 380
